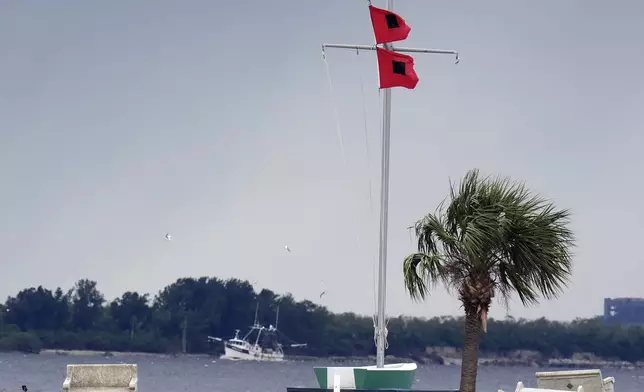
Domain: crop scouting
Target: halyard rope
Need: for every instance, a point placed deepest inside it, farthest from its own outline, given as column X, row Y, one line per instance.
column 344, row 160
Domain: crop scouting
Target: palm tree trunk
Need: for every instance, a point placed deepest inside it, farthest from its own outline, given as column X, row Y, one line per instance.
column 469, row 365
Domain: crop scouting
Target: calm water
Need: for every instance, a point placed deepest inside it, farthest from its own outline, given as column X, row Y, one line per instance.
column 45, row 373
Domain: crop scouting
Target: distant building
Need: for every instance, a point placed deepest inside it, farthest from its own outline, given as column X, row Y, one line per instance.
column 624, row 310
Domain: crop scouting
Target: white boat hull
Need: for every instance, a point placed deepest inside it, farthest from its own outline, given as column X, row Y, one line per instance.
column 235, row 353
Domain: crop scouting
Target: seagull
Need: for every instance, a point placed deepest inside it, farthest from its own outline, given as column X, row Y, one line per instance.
column 168, row 236
column 322, row 293
column 286, row 247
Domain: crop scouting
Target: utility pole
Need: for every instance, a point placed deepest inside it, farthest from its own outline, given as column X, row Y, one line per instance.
column 381, row 326
column 184, row 327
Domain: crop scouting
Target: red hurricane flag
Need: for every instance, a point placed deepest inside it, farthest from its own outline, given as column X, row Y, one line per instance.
column 387, row 26
column 396, row 69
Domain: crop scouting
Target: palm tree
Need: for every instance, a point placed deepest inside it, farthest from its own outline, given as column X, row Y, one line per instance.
column 494, row 237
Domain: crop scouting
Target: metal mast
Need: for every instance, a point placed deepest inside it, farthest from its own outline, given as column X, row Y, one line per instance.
column 384, row 188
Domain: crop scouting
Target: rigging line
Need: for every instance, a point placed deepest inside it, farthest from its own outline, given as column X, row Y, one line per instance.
column 368, row 155
column 336, row 114
column 340, row 138
column 366, row 142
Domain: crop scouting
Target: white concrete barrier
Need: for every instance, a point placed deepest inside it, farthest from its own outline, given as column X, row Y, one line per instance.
column 569, row 380
column 101, row 377
column 521, row 388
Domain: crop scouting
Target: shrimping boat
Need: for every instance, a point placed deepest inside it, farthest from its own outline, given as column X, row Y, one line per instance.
column 260, row 343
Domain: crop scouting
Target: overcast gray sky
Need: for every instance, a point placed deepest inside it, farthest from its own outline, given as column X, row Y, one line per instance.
column 121, row 121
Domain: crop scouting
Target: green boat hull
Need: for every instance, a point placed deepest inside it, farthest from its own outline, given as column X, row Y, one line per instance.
column 392, row 376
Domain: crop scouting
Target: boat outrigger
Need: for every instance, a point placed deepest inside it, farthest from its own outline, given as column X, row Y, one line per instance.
column 259, row 344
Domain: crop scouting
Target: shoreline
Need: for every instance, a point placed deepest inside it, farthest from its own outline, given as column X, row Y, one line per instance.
column 303, row 358
column 552, row 363
column 95, row 353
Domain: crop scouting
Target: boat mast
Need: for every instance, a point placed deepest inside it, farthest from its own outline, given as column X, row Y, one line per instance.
column 381, row 326
column 277, row 316
column 259, row 332
column 256, row 310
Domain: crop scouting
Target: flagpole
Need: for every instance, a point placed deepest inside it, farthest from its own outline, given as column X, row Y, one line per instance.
column 381, row 326
column 384, row 218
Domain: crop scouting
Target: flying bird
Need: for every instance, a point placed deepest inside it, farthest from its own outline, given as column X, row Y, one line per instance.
column 322, row 293
column 168, row 236
column 286, row 247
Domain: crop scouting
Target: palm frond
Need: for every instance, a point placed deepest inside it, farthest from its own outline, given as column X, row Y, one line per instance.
column 421, row 271
column 495, row 228
column 537, row 253
column 433, row 237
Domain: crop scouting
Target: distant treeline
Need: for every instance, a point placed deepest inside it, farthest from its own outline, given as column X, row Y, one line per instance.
column 81, row 319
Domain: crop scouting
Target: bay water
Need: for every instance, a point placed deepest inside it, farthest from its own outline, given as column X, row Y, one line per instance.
column 46, row 373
